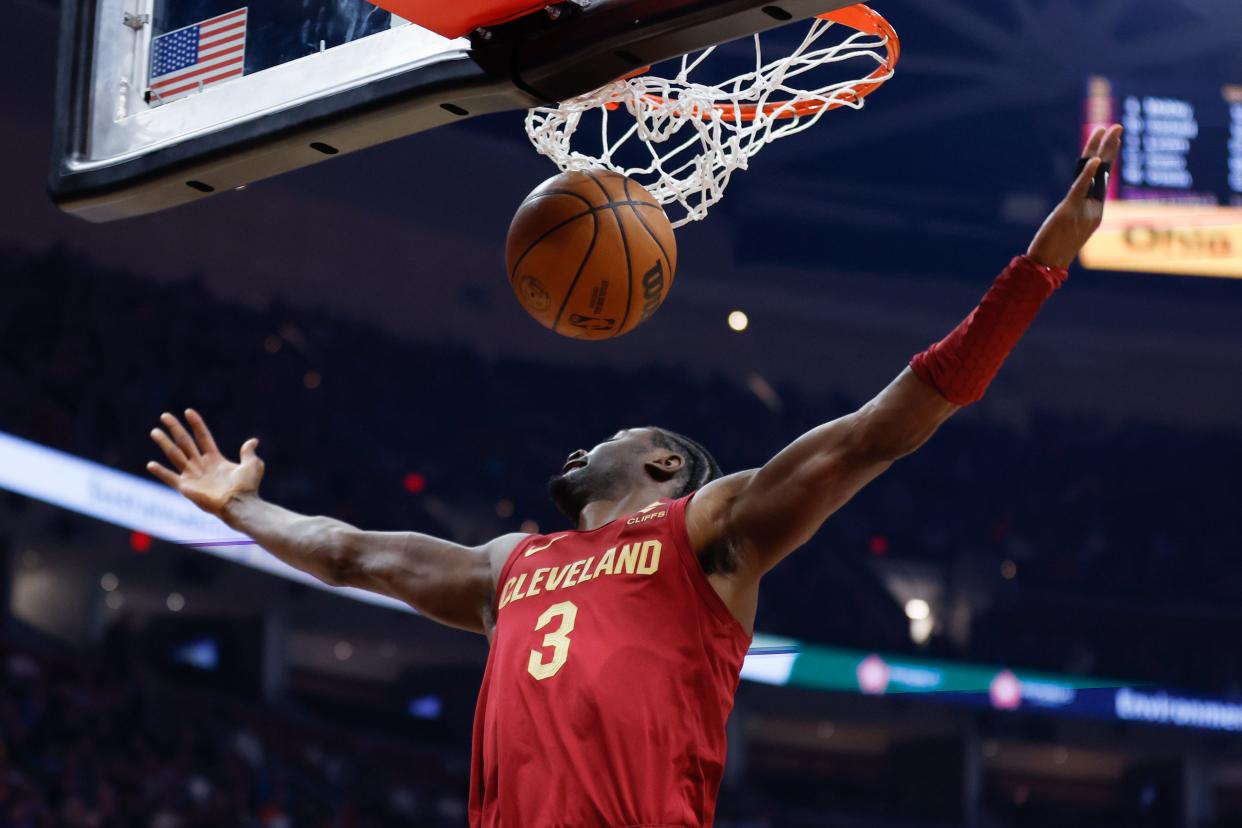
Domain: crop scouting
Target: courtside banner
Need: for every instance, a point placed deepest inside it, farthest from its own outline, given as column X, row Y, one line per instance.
column 1162, row 707
column 790, row 663
column 140, row 505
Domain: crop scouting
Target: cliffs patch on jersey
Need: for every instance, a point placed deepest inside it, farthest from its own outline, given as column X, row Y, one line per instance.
column 645, row 514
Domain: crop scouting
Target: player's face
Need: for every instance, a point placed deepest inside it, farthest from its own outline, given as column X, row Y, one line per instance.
column 607, row 471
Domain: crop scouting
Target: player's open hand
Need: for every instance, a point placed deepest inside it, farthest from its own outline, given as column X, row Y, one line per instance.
column 1079, row 214
column 203, row 474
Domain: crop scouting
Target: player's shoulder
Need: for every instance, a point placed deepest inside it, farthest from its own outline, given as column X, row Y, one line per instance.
column 499, row 549
column 714, row 500
column 708, row 511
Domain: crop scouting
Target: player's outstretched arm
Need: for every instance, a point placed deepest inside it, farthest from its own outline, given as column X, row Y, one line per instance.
column 445, row 581
column 765, row 514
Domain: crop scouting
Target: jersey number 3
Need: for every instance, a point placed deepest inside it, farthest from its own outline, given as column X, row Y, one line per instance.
column 557, row 639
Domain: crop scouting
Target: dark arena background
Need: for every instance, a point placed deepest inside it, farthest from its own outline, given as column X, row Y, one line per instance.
column 1034, row 620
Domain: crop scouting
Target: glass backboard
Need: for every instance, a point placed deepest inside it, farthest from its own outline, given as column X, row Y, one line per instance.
column 164, row 102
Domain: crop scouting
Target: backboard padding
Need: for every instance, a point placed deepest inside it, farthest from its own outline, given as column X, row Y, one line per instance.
column 460, row 19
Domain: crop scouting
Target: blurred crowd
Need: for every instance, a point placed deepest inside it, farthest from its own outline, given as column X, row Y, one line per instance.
column 97, row 743
column 103, row 739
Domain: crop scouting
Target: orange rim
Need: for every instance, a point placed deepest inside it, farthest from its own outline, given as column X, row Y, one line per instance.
column 860, row 17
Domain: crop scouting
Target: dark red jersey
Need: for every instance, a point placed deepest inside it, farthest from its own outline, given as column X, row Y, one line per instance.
column 611, row 674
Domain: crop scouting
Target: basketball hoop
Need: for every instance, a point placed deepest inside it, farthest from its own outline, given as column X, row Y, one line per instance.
column 729, row 121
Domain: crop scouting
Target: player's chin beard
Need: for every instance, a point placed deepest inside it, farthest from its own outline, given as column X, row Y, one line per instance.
column 573, row 491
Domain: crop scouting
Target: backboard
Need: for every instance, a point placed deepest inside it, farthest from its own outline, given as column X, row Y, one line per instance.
column 164, row 102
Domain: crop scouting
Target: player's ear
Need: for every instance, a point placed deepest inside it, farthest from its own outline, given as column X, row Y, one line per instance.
column 664, row 466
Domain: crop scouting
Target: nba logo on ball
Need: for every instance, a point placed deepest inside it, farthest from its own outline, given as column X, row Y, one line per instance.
column 591, row 254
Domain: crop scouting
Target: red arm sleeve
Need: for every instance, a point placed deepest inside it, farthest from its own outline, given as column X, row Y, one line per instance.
column 964, row 363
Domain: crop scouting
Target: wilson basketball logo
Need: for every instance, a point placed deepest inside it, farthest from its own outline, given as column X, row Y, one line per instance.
column 653, row 290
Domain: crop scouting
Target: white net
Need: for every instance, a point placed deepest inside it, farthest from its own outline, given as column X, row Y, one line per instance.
column 696, row 134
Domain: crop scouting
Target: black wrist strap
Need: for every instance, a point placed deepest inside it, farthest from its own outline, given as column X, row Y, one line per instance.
column 1099, row 185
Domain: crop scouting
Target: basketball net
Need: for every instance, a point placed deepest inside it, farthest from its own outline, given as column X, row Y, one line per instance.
column 697, row 134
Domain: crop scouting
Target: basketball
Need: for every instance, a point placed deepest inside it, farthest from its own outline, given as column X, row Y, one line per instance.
column 591, row 254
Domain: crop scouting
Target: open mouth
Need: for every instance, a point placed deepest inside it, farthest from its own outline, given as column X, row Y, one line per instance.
column 573, row 464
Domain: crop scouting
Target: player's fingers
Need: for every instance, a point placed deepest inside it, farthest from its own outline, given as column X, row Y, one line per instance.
column 1111, row 146
column 248, row 449
column 202, row 433
column 1093, row 143
column 174, row 454
column 164, row 474
column 1082, row 184
column 180, row 435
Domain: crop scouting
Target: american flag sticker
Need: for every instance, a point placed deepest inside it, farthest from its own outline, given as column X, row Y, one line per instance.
column 189, row 59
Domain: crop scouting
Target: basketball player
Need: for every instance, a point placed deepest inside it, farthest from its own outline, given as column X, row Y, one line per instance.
column 616, row 646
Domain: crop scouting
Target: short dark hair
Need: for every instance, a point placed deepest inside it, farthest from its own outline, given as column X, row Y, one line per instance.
column 700, row 469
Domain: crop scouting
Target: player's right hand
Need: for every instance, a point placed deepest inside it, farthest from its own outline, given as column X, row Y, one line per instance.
column 204, row 475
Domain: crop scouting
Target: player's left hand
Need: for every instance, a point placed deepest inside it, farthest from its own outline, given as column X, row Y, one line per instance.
column 1077, row 217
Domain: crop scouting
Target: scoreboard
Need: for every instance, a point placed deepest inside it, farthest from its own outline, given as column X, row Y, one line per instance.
column 1179, row 149
column 1176, row 198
